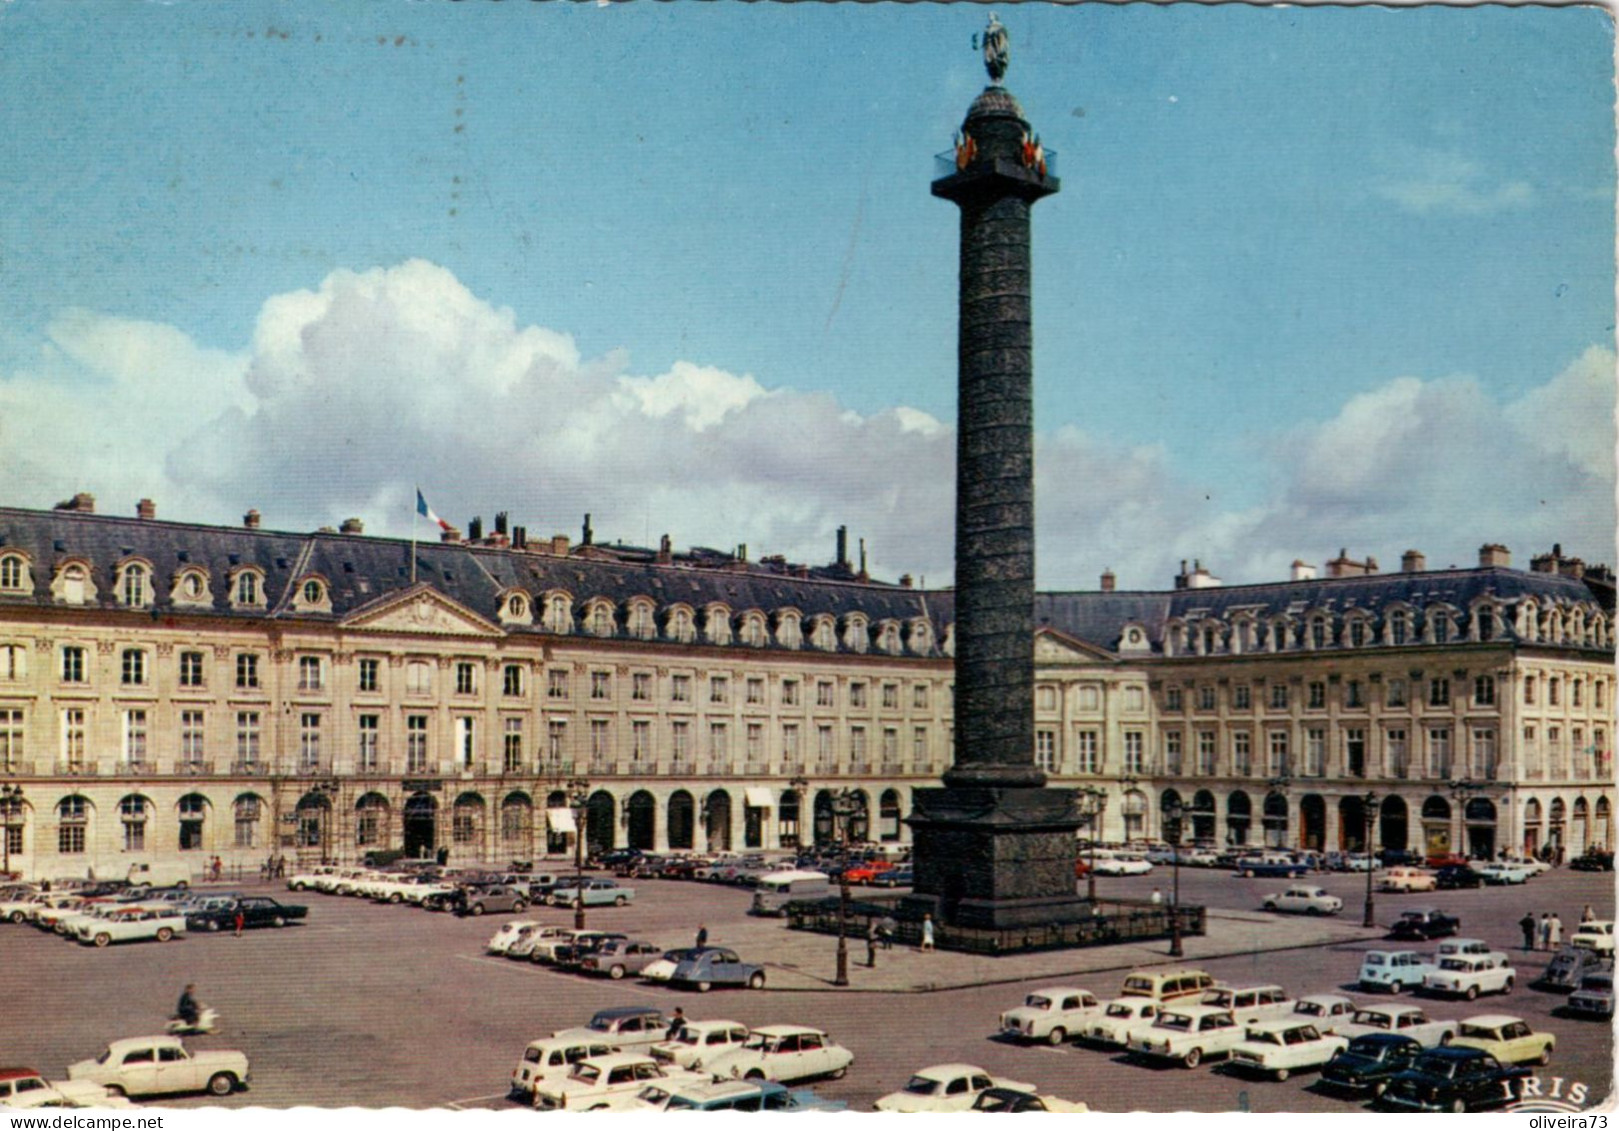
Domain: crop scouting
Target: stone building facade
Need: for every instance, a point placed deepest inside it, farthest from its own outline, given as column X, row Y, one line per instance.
column 171, row 690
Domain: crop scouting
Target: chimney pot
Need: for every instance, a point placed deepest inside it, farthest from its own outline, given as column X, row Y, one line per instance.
column 146, row 508
column 1109, row 581
column 500, row 522
column 352, row 526
column 1413, row 561
column 251, row 520
column 450, row 534
column 588, row 535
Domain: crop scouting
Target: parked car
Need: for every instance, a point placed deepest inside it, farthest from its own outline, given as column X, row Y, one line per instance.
column 1281, row 1048
column 1369, row 1062
column 1304, row 900
column 606, row 1083
column 595, row 893
column 618, row 957
column 946, row 1087
column 1592, row 861
column 1325, row 1011
column 1454, row 876
column 901, row 877
column 1166, row 985
column 867, row 872
column 783, row 1053
column 717, row 966
column 1119, row 1018
column 1250, row 1005
column 1271, row 864
column 551, row 1058
column 1509, row 1039
column 662, row 969
column 699, row 1041
column 132, row 925
column 1406, row 1020
column 481, row 901
column 1504, row 873
column 1468, row 976
column 1408, row 879
column 564, row 944
column 1424, row 923
column 501, row 941
column 1394, row 970
column 629, row 1027
column 1472, row 948
column 25, row 1088
column 1189, row 1034
column 1596, row 935
column 1052, row 1014
column 1437, row 860
column 256, row 911
column 571, row 955
column 1455, row 1080
column 1121, row 864
column 1594, row 998
column 1011, row 1100
column 732, row 1095
column 775, row 890
column 1568, row 966
column 157, row 1066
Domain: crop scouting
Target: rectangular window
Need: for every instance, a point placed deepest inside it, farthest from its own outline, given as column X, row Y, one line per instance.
column 719, row 689
column 1172, row 699
column 641, row 687
column 11, row 740
column 1278, row 696
column 825, row 755
column 466, row 741
column 247, row 822
column 556, row 741
column 415, row 744
column 135, row 831
column 190, row 669
column 1135, row 753
column 134, row 739
column 134, row 667
column 891, row 748
column 857, row 750
column 1205, row 698
column 756, row 691
column 791, row 752
column 1575, row 692
column 511, row 751
column 640, row 741
column 824, row 693
column 919, row 696
column 247, row 740
column 755, row 753
column 192, row 737
column 1352, row 694
column 1172, row 752
column 1318, row 695
column 1315, row 752
column 14, row 662
column 1241, row 697
column 890, row 696
column 919, row 749
column 1045, row 750
column 247, row 671
column 601, row 685
column 1395, row 693
column 680, row 689
column 556, row 684
column 369, row 668
column 1553, row 687
column 1439, row 752
column 310, row 676
column 72, row 664
column 466, row 679
column 789, row 693
column 1045, row 698
column 1439, row 691
column 1484, row 691
column 1398, row 755
column 1484, row 753
column 857, row 694
column 1355, row 752
column 680, row 744
column 719, row 746
column 1279, row 763
column 309, row 741
column 73, row 728
column 511, row 681
column 1242, row 753
column 1206, row 747
column 1529, row 690
column 1086, row 752
column 418, row 678
column 370, row 735
column 70, row 839
column 601, row 745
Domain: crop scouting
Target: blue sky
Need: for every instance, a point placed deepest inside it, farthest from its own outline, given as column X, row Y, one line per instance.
column 1317, row 278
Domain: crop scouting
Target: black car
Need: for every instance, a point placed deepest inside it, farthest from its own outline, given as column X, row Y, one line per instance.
column 1568, row 966
column 1424, row 923
column 1454, row 1080
column 1593, row 862
column 256, row 911
column 1457, row 876
column 1370, row 1062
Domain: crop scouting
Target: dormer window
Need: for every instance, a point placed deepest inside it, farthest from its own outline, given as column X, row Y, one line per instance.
column 75, row 580
column 247, row 589
column 825, row 636
column 855, row 637
column 643, row 621
column 558, row 613
column 191, row 586
column 314, row 593
column 601, row 619
column 13, row 573
column 719, row 624
column 132, row 588
column 789, row 632
column 753, row 630
column 681, row 627
column 516, row 606
column 921, row 637
column 888, row 638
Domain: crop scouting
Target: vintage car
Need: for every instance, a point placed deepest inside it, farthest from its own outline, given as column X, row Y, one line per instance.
column 501, row 941
column 629, row 1027
column 1271, row 864
column 1470, row 975
column 1120, row 1018
column 1250, row 1005
column 543, row 937
column 482, row 900
column 1407, row 1020
column 867, row 872
column 900, row 877
column 699, row 1041
column 132, row 924
column 1424, row 923
column 256, row 911
column 594, row 893
column 1594, row 934
column 1111, row 863
column 1408, row 879
column 25, row 1088
column 1594, row 998
column 1189, row 1034
column 732, row 1095
column 717, row 966
column 783, row 1053
column 1011, row 1100
column 607, row 1083
column 1304, row 900
column 1568, row 966
column 1454, row 1080
column 945, row 1087
column 1437, row 860
column 1394, row 970
column 1325, row 1011
column 618, row 957
column 564, row 944
column 1503, row 873
column 551, row 1058
column 1455, row 876
column 1509, row 1039
column 158, row 1066
column 1166, row 985
column 1370, row 1062
column 306, row 878
column 1052, row 1014
column 1471, row 948
column 1281, row 1048
column 571, row 955
column 662, row 969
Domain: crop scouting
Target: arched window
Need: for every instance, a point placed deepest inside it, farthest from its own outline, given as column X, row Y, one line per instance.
column 193, row 817
column 132, row 810
column 517, row 606
column 681, row 626
column 601, row 619
column 753, row 630
column 558, row 616
column 247, row 588
column 246, row 811
column 825, row 635
column 72, row 821
column 132, row 588
column 12, row 572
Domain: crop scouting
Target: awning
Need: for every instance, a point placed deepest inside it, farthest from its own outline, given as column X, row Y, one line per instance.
column 561, row 820
column 760, row 797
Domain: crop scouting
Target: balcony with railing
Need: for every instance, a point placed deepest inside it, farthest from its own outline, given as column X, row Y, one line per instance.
column 13, row 766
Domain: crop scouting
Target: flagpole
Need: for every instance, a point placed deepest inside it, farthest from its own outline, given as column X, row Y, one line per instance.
column 413, row 513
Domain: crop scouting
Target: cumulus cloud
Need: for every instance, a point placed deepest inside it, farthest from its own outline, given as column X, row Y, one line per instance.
column 352, row 393
column 1437, row 181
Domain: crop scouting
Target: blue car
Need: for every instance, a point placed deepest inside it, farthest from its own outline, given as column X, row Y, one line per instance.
column 717, row 966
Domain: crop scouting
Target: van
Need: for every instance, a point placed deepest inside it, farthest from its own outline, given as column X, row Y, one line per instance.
column 1164, row 986
column 163, row 875
column 777, row 889
column 552, row 1058
column 1251, row 1005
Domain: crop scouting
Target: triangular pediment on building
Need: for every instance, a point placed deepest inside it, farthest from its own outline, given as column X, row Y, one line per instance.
column 420, row 609
column 1054, row 647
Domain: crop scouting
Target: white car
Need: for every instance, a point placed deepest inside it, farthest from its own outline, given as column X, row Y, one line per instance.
column 1304, row 900
column 132, row 925
column 24, row 1088
column 633, row 1028
column 1121, row 864
column 527, row 938
column 1250, row 1005
column 1395, row 970
column 945, row 1087
column 700, row 1041
column 1503, row 873
column 1468, row 976
column 783, row 1053
column 501, row 941
column 1509, row 1039
column 1325, row 1011
column 157, row 1066
column 1281, row 1048
column 1595, row 934
column 310, row 877
column 1406, row 1020
column 1471, row 948
column 1190, row 1034
column 1119, row 1020
column 607, row 1083
column 551, row 1058
column 1408, row 879
column 20, row 908
column 1052, row 1014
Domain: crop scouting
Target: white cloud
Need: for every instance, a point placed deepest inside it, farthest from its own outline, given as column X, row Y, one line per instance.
column 375, row 381
column 1438, row 181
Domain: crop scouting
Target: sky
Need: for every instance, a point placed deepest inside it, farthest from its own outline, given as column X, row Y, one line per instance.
column 1317, row 279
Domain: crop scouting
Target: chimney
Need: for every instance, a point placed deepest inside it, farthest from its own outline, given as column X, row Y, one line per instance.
column 520, row 537
column 905, row 581
column 1302, row 570
column 83, row 503
column 843, row 546
column 475, row 528
column 146, row 509
column 351, row 526
column 251, row 520
column 1413, row 561
column 1494, row 554
column 864, row 576
column 742, row 552
column 450, row 534
column 587, row 535
column 559, row 545
column 1109, row 581
column 1371, row 564
column 500, row 522
column 666, row 551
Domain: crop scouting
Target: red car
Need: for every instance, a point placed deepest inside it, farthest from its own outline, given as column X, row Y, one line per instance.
column 865, row 873
column 1446, row 860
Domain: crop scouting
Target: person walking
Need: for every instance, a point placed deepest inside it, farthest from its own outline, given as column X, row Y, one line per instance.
column 1157, row 897
column 1556, row 938
column 1527, row 926
column 702, row 936
column 1545, row 928
column 927, row 932
column 885, row 932
column 677, row 1025
column 1588, row 915
column 871, row 945
column 241, row 921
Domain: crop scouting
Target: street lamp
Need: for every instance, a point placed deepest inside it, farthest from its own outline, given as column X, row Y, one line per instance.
column 1173, row 812
column 1369, row 804
column 10, row 805
column 579, row 796
column 1092, row 806
column 327, row 789
column 1127, row 786
column 800, row 787
column 1461, row 789
column 845, row 806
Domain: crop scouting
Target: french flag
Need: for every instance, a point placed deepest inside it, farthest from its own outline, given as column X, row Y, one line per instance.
column 427, row 512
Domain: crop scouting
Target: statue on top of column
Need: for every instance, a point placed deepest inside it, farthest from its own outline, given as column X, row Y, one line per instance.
column 997, row 50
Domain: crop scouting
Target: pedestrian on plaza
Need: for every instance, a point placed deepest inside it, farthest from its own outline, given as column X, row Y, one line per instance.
column 1157, row 897
column 241, row 921
column 1556, row 939
column 871, row 945
column 1527, row 926
column 1587, row 915
column 885, row 931
column 927, row 932
column 677, row 1024
column 280, row 867
column 1545, row 928
column 702, row 936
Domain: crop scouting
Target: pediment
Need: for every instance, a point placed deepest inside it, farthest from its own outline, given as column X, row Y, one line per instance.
column 1054, row 647
column 421, row 610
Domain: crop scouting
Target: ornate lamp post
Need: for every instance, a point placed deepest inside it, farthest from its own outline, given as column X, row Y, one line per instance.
column 845, row 806
column 10, row 805
column 1093, row 803
column 1127, row 786
column 1173, row 812
column 579, row 798
column 1461, row 789
column 1369, row 803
